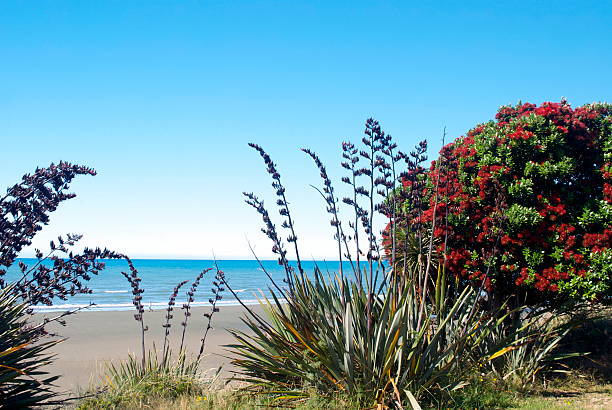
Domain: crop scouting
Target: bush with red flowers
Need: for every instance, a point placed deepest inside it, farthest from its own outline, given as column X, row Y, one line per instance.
column 523, row 204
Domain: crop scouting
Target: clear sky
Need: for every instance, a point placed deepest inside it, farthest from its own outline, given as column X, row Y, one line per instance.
column 162, row 97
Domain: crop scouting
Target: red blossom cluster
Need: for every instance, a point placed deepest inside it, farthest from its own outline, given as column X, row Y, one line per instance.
column 519, row 201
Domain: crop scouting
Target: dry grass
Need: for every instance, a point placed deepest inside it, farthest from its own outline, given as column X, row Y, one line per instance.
column 224, row 399
column 571, row 396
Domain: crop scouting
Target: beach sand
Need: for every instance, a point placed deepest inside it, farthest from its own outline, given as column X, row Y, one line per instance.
column 93, row 339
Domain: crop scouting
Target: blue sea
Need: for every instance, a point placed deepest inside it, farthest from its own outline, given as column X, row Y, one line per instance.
column 111, row 291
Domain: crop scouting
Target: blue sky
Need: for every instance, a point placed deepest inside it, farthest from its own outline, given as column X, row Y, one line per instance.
column 161, row 97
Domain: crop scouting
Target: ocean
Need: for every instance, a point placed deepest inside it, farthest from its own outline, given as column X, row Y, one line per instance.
column 111, row 291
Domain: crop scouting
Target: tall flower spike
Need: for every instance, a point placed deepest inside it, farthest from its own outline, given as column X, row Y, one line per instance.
column 272, row 234
column 387, row 182
column 169, row 316
column 187, row 305
column 134, row 281
column 217, row 290
column 373, row 139
column 281, row 202
column 328, row 195
column 350, row 155
column 413, row 179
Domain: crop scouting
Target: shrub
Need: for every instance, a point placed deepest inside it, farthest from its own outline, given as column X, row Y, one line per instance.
column 523, row 204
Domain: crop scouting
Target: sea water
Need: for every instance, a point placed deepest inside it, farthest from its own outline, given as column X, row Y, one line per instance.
column 111, row 291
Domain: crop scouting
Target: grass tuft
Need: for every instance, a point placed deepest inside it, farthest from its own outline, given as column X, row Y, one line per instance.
column 127, row 385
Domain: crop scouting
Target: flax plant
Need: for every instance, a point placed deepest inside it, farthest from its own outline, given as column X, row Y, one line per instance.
column 526, row 347
column 377, row 333
column 24, row 383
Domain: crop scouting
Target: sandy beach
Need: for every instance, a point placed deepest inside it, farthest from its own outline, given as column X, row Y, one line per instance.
column 93, row 339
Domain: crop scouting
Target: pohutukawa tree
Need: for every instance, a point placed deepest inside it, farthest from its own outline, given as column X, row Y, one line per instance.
column 523, row 204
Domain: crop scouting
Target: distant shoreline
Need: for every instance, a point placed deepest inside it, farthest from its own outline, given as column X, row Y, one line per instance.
column 110, row 291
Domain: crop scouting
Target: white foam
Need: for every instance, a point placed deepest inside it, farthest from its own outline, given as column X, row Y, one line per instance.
column 129, row 306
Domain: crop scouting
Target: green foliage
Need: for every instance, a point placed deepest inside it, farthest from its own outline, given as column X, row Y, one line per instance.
column 311, row 343
column 215, row 398
column 522, row 217
column 23, row 382
column 595, row 281
column 317, row 342
column 531, row 193
column 481, row 393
